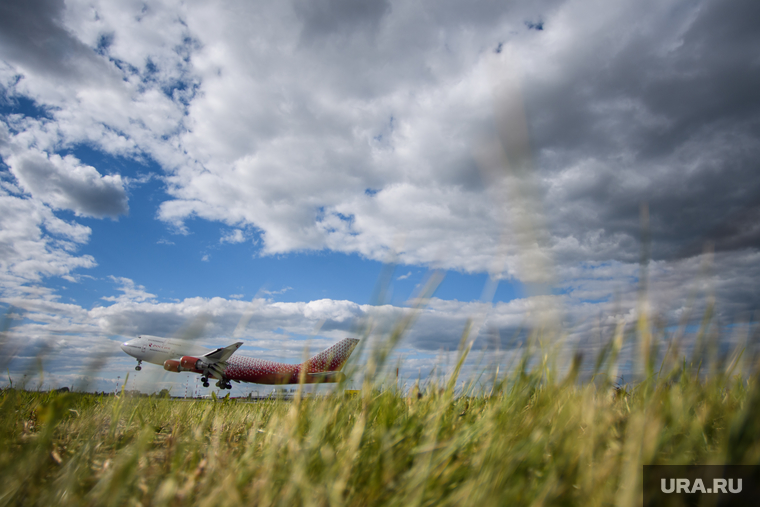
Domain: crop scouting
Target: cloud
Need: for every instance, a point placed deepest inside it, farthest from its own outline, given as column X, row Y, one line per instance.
column 123, row 94
column 131, row 292
column 34, row 244
column 404, row 277
column 276, row 292
column 233, row 236
column 604, row 137
column 32, row 33
column 325, row 18
column 663, row 115
column 66, row 183
column 287, row 131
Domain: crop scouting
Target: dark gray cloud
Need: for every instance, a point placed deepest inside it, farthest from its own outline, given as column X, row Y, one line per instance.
column 32, row 37
column 667, row 114
column 323, row 18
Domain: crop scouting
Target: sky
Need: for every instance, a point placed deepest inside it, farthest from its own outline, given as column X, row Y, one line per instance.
column 289, row 173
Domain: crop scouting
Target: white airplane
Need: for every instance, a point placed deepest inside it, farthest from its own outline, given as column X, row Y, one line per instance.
column 179, row 356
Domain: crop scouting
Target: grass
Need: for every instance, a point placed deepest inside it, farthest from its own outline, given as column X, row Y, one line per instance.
column 533, row 440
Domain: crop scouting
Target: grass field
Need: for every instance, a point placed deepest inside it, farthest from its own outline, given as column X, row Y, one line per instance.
column 535, row 439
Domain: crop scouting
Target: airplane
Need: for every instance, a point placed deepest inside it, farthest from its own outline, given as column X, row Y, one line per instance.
column 179, row 355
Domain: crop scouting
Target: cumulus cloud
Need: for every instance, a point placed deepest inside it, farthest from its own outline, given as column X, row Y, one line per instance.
column 34, row 37
column 326, row 18
column 66, row 183
column 360, row 147
column 233, row 236
column 388, row 167
column 34, row 243
column 661, row 115
column 131, row 292
column 60, row 56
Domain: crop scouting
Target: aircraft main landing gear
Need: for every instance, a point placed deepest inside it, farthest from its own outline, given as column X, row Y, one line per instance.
column 205, row 381
column 224, row 384
column 138, row 367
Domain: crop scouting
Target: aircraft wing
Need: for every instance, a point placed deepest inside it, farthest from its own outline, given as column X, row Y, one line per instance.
column 216, row 360
column 221, row 355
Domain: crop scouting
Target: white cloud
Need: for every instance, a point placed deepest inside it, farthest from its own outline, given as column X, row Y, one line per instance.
column 66, row 183
column 131, row 292
column 275, row 292
column 404, row 277
column 233, row 236
column 34, row 243
column 352, row 132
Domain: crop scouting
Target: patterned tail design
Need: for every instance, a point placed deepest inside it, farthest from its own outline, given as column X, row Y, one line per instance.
column 333, row 358
column 259, row 371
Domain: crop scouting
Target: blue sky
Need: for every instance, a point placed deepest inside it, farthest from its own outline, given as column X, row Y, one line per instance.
column 174, row 165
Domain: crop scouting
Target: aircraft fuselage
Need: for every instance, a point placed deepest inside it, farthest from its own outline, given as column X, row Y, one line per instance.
column 179, row 356
column 156, row 350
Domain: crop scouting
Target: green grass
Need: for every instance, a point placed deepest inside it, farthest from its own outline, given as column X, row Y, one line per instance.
column 530, row 441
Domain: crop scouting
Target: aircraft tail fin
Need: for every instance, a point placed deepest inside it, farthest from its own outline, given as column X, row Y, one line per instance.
column 333, row 358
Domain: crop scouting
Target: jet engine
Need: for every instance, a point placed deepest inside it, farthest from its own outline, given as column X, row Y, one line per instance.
column 176, row 366
column 190, row 363
column 172, row 365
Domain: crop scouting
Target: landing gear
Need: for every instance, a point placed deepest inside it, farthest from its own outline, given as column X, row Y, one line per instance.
column 224, row 384
column 138, row 367
column 205, row 381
